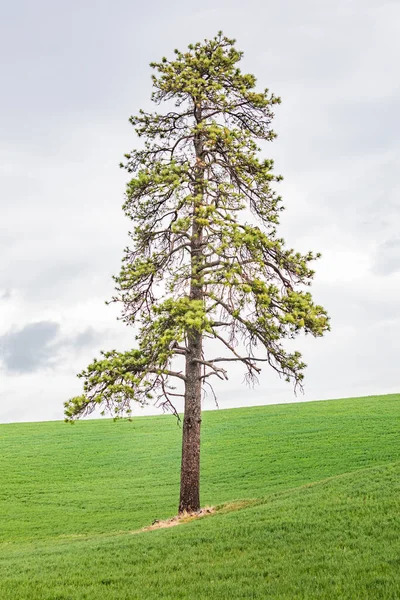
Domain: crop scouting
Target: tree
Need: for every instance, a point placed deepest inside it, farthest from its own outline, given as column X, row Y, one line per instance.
column 205, row 262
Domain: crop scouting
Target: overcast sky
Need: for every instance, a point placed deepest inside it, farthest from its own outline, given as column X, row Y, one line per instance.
column 73, row 72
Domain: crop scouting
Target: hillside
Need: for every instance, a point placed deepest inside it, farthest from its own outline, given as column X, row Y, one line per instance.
column 318, row 517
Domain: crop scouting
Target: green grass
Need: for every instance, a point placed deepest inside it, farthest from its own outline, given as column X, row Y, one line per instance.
column 323, row 521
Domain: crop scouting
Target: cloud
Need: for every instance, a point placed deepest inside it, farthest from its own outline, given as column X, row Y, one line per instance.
column 62, row 231
column 84, row 339
column 38, row 346
column 30, row 348
column 387, row 258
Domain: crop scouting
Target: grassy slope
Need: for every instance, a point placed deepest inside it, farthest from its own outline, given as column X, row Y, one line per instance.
column 71, row 494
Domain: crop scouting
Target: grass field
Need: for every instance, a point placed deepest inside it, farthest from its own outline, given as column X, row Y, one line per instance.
column 308, row 499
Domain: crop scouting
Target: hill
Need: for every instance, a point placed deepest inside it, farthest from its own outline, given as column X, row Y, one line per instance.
column 307, row 500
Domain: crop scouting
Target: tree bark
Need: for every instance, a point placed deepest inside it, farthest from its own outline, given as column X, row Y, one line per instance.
column 190, row 466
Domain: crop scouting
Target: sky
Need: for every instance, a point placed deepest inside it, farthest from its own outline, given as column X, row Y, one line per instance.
column 73, row 72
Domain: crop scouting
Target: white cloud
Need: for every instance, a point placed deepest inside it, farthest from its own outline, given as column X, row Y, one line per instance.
column 74, row 76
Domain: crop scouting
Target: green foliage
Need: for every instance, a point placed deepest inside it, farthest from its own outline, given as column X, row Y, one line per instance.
column 204, row 216
column 315, row 488
column 116, row 379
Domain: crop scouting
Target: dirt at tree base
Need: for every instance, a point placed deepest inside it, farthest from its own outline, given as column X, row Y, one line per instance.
column 179, row 519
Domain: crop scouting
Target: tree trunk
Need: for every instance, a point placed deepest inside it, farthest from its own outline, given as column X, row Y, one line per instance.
column 190, row 466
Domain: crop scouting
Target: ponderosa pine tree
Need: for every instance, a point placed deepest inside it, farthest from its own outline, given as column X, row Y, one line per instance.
column 205, row 262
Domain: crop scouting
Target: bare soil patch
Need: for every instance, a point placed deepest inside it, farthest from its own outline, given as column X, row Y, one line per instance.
column 179, row 519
